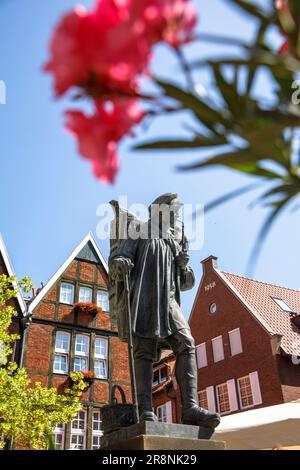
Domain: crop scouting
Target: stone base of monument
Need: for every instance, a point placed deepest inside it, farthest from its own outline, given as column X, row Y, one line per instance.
column 160, row 436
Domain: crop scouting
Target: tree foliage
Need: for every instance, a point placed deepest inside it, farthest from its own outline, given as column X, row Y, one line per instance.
column 29, row 412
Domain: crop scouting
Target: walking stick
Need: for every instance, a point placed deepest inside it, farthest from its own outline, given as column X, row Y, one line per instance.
column 130, row 351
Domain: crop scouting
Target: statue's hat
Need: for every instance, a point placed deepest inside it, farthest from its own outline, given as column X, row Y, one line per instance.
column 169, row 199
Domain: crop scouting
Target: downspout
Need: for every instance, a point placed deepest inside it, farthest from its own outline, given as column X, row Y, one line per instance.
column 25, row 322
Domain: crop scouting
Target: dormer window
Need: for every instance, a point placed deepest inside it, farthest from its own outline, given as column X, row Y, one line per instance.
column 283, row 305
column 160, row 375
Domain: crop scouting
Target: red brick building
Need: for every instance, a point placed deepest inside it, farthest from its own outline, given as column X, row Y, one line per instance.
column 61, row 339
column 247, row 336
column 164, row 389
column 248, row 341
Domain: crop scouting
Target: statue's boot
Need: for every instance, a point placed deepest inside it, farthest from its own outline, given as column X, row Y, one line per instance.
column 186, row 376
column 143, row 374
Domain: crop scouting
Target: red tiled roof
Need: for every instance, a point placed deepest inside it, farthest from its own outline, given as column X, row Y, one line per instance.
column 258, row 295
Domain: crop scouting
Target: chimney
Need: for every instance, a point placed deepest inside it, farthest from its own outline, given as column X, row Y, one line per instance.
column 33, row 291
column 209, row 264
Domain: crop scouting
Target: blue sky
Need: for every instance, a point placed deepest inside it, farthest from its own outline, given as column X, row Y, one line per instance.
column 48, row 195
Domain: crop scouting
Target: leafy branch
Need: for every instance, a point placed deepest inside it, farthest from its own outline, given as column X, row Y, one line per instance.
column 249, row 134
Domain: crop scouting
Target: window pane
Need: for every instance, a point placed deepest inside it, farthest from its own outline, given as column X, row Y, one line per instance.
column 96, row 442
column 60, row 427
column 102, row 300
column 80, row 364
column 282, row 304
column 85, row 294
column 101, row 348
column 77, row 442
column 97, row 423
column 163, row 374
column 66, row 293
column 245, row 392
column 62, row 341
column 60, row 363
column 162, row 413
column 155, row 378
column 78, row 423
column 100, row 369
column 82, row 345
column 203, row 403
column 223, row 398
column 58, row 441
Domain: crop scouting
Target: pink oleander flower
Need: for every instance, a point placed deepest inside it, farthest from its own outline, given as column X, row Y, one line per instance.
column 281, row 4
column 99, row 134
column 171, row 21
column 110, row 45
column 104, row 52
column 102, row 45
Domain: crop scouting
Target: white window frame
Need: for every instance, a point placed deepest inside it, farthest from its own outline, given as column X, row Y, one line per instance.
column 218, row 399
column 60, row 431
column 79, row 432
column 235, row 341
column 96, row 433
column 283, row 305
column 240, row 394
column 61, row 352
column 206, row 398
column 63, row 301
column 82, row 355
column 84, row 364
column 218, row 340
column 201, row 355
column 98, row 357
column 99, row 304
column 161, row 378
column 60, row 371
column 83, row 298
column 211, row 399
column 164, row 412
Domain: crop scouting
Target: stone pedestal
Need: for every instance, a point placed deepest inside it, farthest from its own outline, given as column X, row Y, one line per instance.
column 160, row 436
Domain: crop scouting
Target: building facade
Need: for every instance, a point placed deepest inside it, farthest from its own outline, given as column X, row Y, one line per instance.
column 247, row 341
column 164, row 389
column 62, row 337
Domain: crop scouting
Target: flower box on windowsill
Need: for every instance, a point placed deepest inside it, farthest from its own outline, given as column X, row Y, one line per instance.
column 87, row 308
column 88, row 377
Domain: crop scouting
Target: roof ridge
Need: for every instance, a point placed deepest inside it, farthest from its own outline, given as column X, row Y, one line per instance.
column 261, row 282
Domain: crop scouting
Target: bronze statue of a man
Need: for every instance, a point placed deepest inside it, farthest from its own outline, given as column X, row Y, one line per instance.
column 158, row 270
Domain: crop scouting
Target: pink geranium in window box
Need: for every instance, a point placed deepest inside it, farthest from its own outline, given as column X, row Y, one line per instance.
column 87, row 308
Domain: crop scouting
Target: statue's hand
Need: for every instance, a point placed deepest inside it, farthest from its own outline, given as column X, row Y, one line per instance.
column 121, row 266
column 182, row 260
